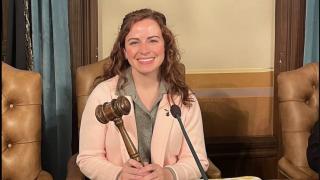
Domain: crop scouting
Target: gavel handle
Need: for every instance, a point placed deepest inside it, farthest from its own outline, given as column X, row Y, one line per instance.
column 133, row 153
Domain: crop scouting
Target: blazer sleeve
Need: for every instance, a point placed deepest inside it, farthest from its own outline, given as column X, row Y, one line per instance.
column 92, row 155
column 186, row 167
column 313, row 149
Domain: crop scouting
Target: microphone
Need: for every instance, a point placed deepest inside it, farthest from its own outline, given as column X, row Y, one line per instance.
column 176, row 113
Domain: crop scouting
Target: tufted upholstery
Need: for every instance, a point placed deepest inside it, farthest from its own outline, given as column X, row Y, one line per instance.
column 85, row 76
column 298, row 92
column 21, row 124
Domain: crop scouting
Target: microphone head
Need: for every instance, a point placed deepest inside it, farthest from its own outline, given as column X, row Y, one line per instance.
column 175, row 111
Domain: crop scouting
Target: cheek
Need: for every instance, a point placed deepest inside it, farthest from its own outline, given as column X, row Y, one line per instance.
column 159, row 50
column 129, row 53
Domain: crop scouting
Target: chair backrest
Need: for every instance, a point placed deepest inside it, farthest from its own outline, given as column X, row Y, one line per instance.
column 85, row 77
column 298, row 92
column 21, row 124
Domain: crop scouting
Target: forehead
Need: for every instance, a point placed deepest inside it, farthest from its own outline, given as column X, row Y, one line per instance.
column 145, row 27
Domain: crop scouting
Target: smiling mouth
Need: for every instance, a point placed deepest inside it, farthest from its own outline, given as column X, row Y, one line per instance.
column 146, row 60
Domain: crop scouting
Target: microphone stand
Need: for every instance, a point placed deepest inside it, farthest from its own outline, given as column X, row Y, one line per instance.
column 176, row 113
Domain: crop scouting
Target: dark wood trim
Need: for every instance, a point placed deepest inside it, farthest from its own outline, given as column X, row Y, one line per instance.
column 289, row 34
column 75, row 32
column 4, row 30
column 289, row 48
column 240, row 156
column 83, row 27
column 250, row 147
column 90, row 27
column 83, row 33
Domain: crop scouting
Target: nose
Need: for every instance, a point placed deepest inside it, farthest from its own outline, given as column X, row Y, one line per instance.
column 144, row 48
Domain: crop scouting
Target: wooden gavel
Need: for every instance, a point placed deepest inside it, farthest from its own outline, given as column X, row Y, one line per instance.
column 113, row 111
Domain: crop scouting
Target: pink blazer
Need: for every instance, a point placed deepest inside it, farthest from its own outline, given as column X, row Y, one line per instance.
column 102, row 151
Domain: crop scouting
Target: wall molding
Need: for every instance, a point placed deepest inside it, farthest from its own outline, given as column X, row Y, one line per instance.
column 234, row 92
column 228, row 70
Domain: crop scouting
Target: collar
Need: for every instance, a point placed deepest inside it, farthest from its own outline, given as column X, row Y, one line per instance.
column 129, row 88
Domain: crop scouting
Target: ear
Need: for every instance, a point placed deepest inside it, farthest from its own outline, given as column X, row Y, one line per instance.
column 125, row 53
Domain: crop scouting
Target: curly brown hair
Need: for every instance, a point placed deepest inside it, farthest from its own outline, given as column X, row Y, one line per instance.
column 170, row 70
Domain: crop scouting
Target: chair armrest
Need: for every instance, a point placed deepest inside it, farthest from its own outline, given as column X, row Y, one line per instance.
column 213, row 172
column 44, row 175
column 291, row 171
column 73, row 171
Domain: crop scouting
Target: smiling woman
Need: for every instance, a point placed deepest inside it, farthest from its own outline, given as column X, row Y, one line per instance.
column 144, row 48
column 145, row 67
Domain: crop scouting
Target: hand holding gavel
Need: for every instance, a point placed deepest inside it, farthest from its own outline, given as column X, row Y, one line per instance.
column 113, row 111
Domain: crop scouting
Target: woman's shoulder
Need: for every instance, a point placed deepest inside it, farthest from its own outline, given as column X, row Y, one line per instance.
column 108, row 85
column 110, row 82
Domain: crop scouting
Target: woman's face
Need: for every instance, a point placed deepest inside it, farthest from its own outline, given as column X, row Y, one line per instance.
column 144, row 47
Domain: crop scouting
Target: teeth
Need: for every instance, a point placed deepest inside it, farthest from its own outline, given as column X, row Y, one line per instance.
column 146, row 59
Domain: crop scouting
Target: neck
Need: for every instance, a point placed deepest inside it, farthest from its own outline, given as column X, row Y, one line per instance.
column 145, row 80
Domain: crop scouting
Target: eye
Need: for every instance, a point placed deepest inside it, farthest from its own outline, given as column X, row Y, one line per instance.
column 154, row 41
column 133, row 42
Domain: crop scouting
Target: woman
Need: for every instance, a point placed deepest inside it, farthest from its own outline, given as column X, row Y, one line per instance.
column 144, row 67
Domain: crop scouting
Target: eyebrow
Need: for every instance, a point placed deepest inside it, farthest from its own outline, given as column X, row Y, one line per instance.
column 150, row 37
column 153, row 37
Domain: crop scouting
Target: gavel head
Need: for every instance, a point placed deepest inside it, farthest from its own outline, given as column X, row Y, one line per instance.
column 112, row 110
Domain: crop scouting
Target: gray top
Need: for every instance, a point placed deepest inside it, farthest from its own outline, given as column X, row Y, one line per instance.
column 144, row 119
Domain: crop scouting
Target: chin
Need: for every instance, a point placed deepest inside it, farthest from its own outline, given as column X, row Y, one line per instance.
column 147, row 71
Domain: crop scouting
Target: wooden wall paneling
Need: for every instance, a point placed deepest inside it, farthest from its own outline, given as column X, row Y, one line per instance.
column 230, row 80
column 238, row 135
column 243, row 156
column 237, row 118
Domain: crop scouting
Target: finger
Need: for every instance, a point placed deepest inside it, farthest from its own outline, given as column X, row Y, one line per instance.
column 131, row 170
column 134, row 163
column 145, row 171
column 128, row 168
column 151, row 176
column 149, row 168
column 131, row 176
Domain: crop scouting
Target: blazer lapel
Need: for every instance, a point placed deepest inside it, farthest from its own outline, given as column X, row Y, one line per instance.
column 161, row 131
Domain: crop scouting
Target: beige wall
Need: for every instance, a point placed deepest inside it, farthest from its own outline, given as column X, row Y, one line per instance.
column 213, row 35
column 227, row 47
